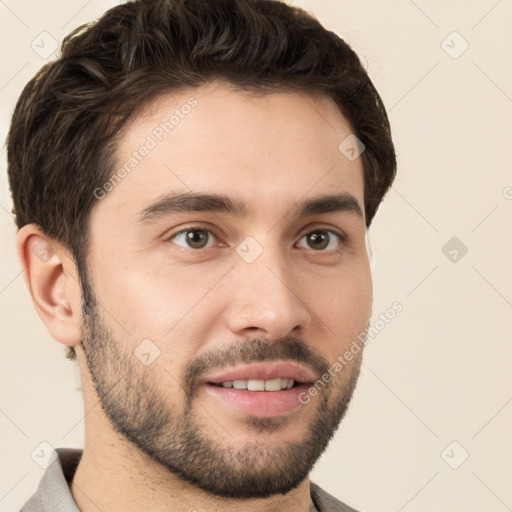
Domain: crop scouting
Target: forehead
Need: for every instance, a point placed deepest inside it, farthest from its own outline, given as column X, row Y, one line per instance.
column 269, row 150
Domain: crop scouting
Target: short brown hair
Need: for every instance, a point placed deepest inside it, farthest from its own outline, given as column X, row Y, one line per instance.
column 62, row 138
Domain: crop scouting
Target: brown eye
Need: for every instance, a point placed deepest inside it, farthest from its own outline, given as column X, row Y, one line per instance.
column 319, row 240
column 192, row 238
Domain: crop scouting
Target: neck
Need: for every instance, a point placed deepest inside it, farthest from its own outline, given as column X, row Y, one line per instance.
column 113, row 475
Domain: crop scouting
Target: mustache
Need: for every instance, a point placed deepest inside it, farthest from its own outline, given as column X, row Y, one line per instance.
column 248, row 351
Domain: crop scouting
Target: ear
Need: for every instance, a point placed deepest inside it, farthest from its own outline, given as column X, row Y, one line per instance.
column 52, row 280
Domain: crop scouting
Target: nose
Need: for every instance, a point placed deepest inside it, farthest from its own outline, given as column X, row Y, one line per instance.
column 267, row 299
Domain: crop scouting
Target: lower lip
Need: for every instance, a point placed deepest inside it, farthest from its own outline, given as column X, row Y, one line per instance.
column 259, row 403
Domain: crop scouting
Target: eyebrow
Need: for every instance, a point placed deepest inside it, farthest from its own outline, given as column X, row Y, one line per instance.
column 218, row 203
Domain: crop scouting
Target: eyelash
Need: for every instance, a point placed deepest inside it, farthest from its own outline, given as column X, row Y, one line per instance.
column 188, row 229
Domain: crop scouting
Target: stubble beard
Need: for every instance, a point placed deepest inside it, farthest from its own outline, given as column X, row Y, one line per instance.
column 180, row 442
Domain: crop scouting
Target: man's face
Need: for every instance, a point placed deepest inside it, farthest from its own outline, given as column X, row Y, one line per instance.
column 189, row 299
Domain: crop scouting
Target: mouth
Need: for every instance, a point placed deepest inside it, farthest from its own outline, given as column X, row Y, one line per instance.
column 271, row 385
column 260, row 389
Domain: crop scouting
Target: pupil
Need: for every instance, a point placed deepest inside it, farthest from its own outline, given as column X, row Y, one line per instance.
column 195, row 238
column 319, row 236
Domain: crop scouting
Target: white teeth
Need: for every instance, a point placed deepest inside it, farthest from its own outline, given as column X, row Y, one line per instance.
column 256, row 385
column 273, row 385
column 260, row 385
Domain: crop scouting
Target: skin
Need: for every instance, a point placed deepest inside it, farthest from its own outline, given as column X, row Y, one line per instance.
column 270, row 152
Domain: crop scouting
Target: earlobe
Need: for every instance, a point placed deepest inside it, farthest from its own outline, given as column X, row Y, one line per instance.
column 51, row 279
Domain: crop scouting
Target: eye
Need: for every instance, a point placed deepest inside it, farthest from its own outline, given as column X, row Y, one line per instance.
column 192, row 238
column 321, row 239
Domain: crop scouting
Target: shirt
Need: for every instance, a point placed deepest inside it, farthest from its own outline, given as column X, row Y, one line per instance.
column 53, row 493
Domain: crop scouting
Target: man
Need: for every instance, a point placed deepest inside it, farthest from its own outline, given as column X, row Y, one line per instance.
column 193, row 182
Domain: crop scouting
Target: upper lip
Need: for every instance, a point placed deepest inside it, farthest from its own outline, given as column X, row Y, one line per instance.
column 265, row 371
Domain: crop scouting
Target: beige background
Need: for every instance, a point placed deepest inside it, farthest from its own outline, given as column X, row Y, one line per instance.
column 440, row 371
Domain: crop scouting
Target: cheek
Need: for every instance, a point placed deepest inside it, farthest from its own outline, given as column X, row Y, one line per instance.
column 164, row 306
column 344, row 305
